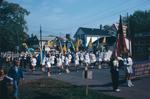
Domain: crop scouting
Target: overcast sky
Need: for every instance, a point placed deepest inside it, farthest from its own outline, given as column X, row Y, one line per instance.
column 59, row 17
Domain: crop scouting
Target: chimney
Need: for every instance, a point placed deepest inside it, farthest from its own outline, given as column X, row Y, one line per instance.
column 101, row 27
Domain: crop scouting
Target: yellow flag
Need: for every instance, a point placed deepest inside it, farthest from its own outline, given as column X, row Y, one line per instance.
column 25, row 45
column 64, row 49
column 104, row 40
column 77, row 44
column 50, row 43
column 90, row 45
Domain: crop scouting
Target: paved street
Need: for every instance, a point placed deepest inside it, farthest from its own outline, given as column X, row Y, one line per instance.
column 102, row 82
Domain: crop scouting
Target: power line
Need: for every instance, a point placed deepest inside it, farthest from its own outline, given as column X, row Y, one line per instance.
column 118, row 12
column 102, row 17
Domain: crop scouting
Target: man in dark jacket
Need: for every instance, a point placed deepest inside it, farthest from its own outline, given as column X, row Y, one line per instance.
column 16, row 73
column 114, row 63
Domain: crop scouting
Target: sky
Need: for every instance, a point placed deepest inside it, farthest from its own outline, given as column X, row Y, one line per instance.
column 60, row 17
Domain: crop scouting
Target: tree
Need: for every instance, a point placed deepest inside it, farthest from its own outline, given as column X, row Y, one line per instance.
column 139, row 22
column 12, row 26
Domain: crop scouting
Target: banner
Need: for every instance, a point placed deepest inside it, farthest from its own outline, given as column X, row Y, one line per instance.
column 141, row 69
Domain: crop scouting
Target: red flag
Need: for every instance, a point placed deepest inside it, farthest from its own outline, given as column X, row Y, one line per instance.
column 120, row 44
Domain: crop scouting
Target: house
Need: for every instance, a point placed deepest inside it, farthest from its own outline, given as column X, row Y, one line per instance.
column 112, row 30
column 85, row 34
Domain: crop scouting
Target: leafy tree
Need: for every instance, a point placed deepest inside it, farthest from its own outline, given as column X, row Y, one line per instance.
column 1, row 1
column 12, row 26
column 139, row 22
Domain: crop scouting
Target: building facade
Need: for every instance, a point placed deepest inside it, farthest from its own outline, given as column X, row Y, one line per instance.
column 85, row 34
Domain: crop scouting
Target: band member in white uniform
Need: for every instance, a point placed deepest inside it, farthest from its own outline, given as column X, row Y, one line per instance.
column 59, row 64
column 43, row 64
column 67, row 64
column 129, row 63
column 81, row 57
column 76, row 61
column 48, row 64
column 92, row 59
column 86, row 60
column 70, row 58
column 33, row 63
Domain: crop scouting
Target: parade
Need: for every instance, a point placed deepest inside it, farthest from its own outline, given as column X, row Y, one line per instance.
column 72, row 49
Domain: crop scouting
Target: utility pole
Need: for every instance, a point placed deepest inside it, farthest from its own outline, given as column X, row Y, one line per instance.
column 41, row 43
column 129, row 34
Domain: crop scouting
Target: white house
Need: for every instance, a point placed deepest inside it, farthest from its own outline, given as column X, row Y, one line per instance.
column 85, row 34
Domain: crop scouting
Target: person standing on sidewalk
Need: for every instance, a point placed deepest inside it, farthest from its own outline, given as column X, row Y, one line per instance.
column 114, row 63
column 16, row 73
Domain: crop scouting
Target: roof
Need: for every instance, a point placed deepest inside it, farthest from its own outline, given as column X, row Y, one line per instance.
column 93, row 31
column 109, row 40
column 46, row 38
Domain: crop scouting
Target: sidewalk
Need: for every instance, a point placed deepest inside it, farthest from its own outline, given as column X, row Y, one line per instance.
column 102, row 83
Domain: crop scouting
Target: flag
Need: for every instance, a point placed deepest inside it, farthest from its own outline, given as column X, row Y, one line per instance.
column 25, row 45
column 90, row 45
column 72, row 45
column 104, row 40
column 77, row 44
column 60, row 47
column 50, row 43
column 121, row 47
column 64, row 49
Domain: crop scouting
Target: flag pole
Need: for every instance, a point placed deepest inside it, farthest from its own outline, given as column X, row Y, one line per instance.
column 41, row 43
column 129, row 35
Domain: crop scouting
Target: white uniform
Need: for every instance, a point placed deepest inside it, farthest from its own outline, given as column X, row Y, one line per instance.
column 116, row 64
column 48, row 62
column 100, row 57
column 69, row 57
column 43, row 62
column 66, row 61
column 52, row 58
column 92, row 58
column 87, row 58
column 77, row 59
column 33, row 62
column 129, row 65
column 59, row 62
column 63, row 58
column 81, row 57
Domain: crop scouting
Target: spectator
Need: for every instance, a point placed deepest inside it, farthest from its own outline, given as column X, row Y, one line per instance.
column 4, row 83
column 16, row 73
